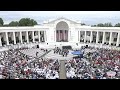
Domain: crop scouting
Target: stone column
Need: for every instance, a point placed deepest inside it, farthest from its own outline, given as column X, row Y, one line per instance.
column 14, row 37
column 103, row 38
column 118, row 38
column 33, row 36
column 64, row 35
column 44, row 35
column 21, row 37
column 97, row 37
column 54, row 36
column 78, row 36
column 27, row 36
column 59, row 34
column 39, row 35
column 110, row 40
column 6, row 33
column 85, row 37
column 91, row 37
column 69, row 36
column 0, row 40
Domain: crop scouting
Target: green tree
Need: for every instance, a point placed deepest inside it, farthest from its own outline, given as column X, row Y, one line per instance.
column 5, row 25
column 100, row 25
column 1, row 22
column 117, row 25
column 27, row 22
column 107, row 25
column 83, row 24
column 14, row 23
column 93, row 25
column 103, row 25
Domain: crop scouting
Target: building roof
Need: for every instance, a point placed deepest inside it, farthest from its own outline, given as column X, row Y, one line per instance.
column 53, row 20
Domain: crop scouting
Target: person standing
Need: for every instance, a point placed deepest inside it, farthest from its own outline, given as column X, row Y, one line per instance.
column 36, row 54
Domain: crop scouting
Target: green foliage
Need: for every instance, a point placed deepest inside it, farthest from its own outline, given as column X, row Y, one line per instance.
column 14, row 23
column 1, row 22
column 117, row 25
column 103, row 25
column 93, row 25
column 100, row 25
column 27, row 22
column 83, row 24
column 108, row 25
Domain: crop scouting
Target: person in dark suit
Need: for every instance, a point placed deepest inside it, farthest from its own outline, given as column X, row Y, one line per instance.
column 36, row 54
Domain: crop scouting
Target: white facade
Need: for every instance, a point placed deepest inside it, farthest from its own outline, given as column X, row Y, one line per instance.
column 60, row 31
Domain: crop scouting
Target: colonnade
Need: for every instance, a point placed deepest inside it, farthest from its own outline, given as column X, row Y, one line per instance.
column 85, row 36
column 82, row 37
column 4, row 36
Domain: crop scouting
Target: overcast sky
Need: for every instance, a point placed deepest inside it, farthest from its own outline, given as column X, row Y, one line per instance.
column 88, row 17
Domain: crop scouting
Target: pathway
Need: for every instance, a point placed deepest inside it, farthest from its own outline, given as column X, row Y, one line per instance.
column 62, row 69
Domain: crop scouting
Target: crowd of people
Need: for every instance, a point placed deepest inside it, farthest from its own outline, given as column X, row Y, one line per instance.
column 97, row 63
column 15, row 65
column 63, row 52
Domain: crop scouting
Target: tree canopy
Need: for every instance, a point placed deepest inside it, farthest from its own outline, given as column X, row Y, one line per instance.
column 1, row 22
column 83, row 24
column 14, row 23
column 108, row 25
column 27, row 22
column 103, row 25
column 117, row 25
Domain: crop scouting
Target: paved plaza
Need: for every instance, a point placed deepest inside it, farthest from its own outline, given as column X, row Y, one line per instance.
column 32, row 52
column 62, row 70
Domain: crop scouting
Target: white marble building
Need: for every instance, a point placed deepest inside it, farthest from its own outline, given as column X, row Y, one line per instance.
column 61, row 31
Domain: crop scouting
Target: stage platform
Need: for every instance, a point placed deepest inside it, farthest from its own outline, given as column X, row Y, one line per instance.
column 51, row 55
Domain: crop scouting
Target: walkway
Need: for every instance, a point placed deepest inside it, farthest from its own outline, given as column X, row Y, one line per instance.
column 62, row 69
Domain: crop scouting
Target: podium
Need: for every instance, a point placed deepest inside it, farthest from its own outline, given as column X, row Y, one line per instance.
column 67, row 47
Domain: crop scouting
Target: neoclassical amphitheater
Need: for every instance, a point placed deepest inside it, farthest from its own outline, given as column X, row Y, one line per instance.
column 22, row 44
column 60, row 32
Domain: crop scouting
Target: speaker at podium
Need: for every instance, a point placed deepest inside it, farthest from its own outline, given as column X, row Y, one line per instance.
column 37, row 46
column 86, row 46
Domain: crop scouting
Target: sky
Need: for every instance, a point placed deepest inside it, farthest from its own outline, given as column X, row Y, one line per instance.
column 87, row 17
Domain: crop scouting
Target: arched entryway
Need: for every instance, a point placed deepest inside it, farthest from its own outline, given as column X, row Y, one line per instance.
column 62, row 32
